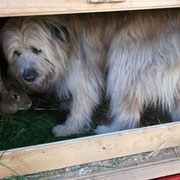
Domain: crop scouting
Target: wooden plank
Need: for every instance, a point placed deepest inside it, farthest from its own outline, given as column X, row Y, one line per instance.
column 104, row 1
column 89, row 149
column 42, row 7
column 140, row 172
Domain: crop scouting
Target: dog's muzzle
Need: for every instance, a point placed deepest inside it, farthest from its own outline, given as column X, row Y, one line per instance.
column 30, row 75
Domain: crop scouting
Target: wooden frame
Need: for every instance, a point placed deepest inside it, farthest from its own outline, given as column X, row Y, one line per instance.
column 140, row 172
column 62, row 154
column 55, row 155
column 42, row 7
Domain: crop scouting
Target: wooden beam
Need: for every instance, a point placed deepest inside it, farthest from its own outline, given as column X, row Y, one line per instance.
column 62, row 154
column 141, row 172
column 43, row 7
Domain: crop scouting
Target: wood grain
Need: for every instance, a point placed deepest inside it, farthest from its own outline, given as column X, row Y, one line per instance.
column 104, row 1
column 138, row 172
column 42, row 7
column 56, row 155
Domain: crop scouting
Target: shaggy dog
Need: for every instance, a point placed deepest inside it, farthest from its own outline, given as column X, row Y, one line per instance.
column 133, row 56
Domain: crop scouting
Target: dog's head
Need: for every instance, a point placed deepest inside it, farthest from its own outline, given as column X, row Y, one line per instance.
column 36, row 49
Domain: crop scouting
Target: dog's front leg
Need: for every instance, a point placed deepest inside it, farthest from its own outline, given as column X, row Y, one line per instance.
column 85, row 87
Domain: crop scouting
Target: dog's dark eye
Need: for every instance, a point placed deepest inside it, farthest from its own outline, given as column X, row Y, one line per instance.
column 35, row 50
column 17, row 53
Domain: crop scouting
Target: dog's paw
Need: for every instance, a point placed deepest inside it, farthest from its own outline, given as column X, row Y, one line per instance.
column 64, row 130
column 101, row 129
column 61, row 130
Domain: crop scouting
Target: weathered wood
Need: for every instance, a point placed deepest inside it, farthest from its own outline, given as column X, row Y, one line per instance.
column 42, row 7
column 89, row 149
column 104, row 1
column 140, row 172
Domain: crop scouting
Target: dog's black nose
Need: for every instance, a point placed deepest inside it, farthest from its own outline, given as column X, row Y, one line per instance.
column 30, row 75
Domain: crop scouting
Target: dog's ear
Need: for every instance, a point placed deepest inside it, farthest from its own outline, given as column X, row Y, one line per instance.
column 60, row 32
